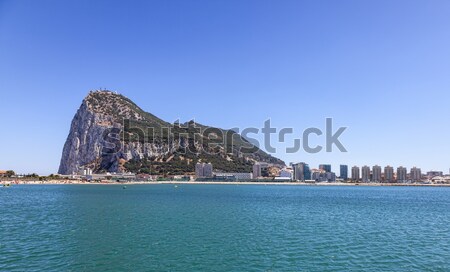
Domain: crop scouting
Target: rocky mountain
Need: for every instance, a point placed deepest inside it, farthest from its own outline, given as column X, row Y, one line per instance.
column 110, row 133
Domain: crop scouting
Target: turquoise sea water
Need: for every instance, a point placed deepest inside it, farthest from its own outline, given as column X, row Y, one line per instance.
column 224, row 228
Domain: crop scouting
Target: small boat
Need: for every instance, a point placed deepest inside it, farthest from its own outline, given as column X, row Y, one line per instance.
column 124, row 187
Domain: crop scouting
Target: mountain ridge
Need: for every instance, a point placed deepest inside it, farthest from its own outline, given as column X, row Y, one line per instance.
column 111, row 133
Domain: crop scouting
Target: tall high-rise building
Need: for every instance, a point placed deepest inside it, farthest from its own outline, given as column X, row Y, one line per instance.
column 256, row 170
column 365, row 173
column 355, row 173
column 376, row 173
column 344, row 172
column 301, row 171
column 260, row 169
column 203, row 170
column 208, row 170
column 307, row 172
column 401, row 174
column 389, row 173
column 325, row 167
column 416, row 174
column 199, row 170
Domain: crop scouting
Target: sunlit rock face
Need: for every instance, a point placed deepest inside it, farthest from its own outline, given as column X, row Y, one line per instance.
column 100, row 140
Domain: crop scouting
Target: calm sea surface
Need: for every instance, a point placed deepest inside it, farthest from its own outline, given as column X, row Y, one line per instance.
column 224, row 228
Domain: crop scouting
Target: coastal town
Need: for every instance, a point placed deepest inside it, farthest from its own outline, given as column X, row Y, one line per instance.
column 295, row 173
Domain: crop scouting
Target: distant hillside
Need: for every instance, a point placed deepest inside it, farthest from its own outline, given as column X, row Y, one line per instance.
column 110, row 133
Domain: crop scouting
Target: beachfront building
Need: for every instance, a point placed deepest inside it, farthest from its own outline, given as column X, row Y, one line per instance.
column 376, row 173
column 203, row 170
column 355, row 173
column 389, row 173
column 260, row 169
column 365, row 173
column 401, row 174
column 432, row 174
column 301, row 172
column 441, row 180
column 323, row 174
column 318, row 175
column 286, row 173
column 208, row 170
column 344, row 172
column 233, row 176
column 416, row 174
column 106, row 177
column 85, row 171
column 331, row 177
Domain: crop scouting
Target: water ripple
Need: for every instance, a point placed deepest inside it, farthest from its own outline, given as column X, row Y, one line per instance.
column 224, row 228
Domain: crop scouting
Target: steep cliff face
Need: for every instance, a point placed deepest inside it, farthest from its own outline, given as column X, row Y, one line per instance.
column 110, row 133
column 85, row 141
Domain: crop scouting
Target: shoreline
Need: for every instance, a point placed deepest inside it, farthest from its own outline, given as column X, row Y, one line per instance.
column 71, row 182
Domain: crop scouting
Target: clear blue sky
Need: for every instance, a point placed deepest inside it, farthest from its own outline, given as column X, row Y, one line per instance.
column 382, row 68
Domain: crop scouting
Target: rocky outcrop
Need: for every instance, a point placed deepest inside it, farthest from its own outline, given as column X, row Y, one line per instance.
column 98, row 140
column 85, row 142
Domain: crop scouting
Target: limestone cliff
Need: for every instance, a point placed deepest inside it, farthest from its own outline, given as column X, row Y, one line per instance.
column 110, row 133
